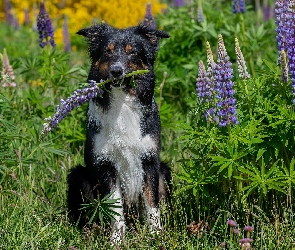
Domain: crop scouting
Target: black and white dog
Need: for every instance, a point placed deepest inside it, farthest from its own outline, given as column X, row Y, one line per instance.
column 122, row 151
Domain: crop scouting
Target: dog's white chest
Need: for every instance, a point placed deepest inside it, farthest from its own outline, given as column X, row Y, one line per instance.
column 120, row 140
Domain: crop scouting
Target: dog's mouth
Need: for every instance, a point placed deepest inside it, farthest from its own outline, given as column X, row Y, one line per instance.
column 121, row 82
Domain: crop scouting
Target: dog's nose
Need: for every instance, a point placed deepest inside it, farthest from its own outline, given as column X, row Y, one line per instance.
column 116, row 70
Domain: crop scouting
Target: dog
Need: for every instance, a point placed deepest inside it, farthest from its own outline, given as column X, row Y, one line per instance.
column 122, row 149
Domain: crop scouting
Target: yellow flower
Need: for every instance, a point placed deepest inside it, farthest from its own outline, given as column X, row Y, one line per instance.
column 82, row 13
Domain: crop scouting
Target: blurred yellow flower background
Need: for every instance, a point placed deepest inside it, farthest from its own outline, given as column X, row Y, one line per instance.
column 119, row 13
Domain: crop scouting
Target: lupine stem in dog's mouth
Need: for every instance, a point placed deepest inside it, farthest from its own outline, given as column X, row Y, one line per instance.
column 80, row 96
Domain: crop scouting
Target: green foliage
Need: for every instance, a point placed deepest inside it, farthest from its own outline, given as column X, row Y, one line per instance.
column 254, row 159
column 101, row 209
column 179, row 55
column 244, row 172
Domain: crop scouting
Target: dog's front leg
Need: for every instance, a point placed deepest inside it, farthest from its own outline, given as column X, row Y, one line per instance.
column 118, row 223
column 151, row 194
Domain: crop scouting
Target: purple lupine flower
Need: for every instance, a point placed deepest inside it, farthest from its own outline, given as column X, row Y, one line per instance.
column 290, row 23
column 267, row 9
column 8, row 13
column 79, row 97
column 239, row 6
column 178, row 3
column 7, row 73
column 44, row 27
column 203, row 83
column 231, row 223
column 248, row 228
column 27, row 20
column 285, row 20
column 222, row 244
column 210, row 114
column 242, row 68
column 66, row 35
column 223, row 73
column 149, row 20
column 201, row 17
column 281, row 7
column 246, row 240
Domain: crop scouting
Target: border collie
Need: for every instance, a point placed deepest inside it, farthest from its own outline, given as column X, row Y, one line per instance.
column 122, row 150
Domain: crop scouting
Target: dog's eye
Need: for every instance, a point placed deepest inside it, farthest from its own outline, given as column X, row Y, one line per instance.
column 108, row 51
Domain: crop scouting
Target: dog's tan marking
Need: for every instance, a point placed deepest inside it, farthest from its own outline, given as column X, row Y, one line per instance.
column 143, row 65
column 148, row 195
column 104, row 68
column 111, row 48
column 97, row 64
column 128, row 48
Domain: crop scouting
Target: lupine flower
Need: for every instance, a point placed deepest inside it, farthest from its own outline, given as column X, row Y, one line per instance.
column 223, row 73
column 246, row 240
column 66, row 35
column 44, row 27
column 210, row 114
column 203, row 83
column 149, row 20
column 79, row 97
column 27, row 20
column 178, row 3
column 8, row 13
column 291, row 44
column 285, row 20
column 223, row 244
column 239, row 6
column 231, row 223
column 281, row 7
column 248, row 228
column 200, row 12
column 236, row 231
column 267, row 11
column 210, row 62
column 242, row 68
column 284, row 67
column 7, row 74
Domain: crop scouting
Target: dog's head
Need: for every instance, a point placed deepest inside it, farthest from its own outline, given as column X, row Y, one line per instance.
column 117, row 52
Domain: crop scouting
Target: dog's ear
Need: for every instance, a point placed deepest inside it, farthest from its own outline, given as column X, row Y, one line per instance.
column 95, row 32
column 152, row 35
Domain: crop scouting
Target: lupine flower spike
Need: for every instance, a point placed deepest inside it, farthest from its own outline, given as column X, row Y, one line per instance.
column 210, row 61
column 291, row 43
column 231, row 223
column 7, row 74
column 79, row 97
column 9, row 18
column 203, row 83
column 285, row 19
column 242, row 68
column 149, row 20
column 45, row 27
column 27, row 20
column 281, row 8
column 211, row 112
column 178, row 3
column 239, row 6
column 201, row 17
column 284, row 67
column 223, row 73
column 66, row 35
